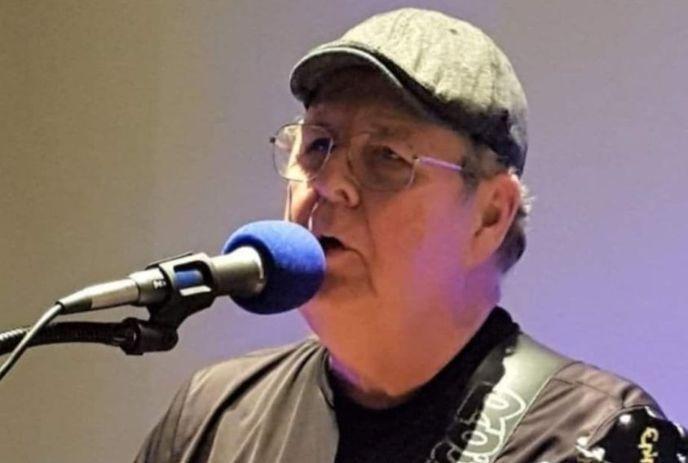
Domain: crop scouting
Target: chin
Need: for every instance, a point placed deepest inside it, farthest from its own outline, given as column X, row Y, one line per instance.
column 315, row 313
column 334, row 302
column 341, row 286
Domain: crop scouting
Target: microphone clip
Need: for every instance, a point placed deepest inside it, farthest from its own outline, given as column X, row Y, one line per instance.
column 190, row 284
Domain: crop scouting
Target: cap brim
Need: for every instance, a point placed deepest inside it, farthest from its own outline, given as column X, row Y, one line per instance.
column 307, row 75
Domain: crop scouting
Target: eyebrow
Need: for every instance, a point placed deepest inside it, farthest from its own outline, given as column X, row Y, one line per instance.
column 375, row 128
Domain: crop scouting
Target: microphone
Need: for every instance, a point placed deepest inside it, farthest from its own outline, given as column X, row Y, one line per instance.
column 266, row 267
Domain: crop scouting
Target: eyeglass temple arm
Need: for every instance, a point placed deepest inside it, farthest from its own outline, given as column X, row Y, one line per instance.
column 439, row 163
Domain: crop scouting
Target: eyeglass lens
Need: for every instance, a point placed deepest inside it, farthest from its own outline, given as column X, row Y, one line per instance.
column 301, row 151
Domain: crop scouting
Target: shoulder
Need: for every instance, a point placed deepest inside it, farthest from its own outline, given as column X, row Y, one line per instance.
column 248, row 378
column 578, row 404
column 215, row 387
column 597, row 387
column 251, row 367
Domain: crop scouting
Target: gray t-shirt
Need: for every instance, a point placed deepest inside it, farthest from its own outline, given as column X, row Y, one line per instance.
column 277, row 406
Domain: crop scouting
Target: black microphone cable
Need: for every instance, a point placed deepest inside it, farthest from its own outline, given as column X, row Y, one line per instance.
column 45, row 319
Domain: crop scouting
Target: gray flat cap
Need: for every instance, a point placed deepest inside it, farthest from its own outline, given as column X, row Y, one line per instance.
column 451, row 67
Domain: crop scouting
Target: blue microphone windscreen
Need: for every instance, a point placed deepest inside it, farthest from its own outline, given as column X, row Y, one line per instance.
column 294, row 264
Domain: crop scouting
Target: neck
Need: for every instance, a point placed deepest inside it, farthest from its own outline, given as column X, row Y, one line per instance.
column 377, row 370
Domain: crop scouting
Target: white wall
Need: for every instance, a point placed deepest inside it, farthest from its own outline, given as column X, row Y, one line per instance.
column 132, row 130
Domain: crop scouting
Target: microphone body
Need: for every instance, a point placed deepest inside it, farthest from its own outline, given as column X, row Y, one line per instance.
column 266, row 267
column 239, row 273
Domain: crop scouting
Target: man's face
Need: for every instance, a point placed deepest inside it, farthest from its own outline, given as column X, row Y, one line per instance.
column 402, row 253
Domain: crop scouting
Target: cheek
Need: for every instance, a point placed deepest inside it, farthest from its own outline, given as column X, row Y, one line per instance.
column 422, row 237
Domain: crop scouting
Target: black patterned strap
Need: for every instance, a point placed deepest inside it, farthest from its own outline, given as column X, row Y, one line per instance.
column 501, row 391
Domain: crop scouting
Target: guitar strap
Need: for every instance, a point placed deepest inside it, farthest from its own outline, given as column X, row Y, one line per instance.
column 502, row 390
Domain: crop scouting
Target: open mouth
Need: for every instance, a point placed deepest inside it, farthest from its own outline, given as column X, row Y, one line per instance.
column 330, row 243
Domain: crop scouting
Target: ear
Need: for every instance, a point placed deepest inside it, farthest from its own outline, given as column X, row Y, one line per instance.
column 496, row 202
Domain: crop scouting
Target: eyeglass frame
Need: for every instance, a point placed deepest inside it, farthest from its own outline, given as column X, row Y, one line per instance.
column 413, row 162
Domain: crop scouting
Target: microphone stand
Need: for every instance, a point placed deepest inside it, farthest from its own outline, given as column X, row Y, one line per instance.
column 135, row 336
column 132, row 335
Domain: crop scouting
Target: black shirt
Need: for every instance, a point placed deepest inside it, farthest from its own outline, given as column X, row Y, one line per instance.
column 407, row 432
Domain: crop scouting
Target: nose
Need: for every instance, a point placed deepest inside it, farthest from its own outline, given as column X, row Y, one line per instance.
column 335, row 182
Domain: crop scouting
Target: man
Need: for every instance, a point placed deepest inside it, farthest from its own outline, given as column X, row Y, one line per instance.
column 406, row 167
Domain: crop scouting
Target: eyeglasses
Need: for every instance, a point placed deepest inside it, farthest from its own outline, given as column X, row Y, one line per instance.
column 377, row 162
